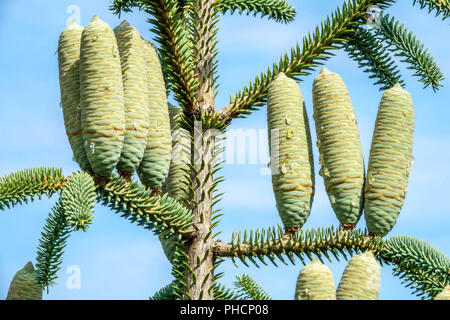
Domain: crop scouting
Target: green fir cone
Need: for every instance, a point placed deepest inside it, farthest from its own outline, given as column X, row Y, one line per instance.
column 338, row 141
column 155, row 164
column 361, row 279
column 315, row 282
column 102, row 102
column 390, row 161
column 69, row 81
column 444, row 294
column 291, row 152
column 137, row 117
column 181, row 156
column 25, row 285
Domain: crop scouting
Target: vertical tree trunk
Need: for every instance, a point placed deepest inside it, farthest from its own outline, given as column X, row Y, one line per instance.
column 199, row 249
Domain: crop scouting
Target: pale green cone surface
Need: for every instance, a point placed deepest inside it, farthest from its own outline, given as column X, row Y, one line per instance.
column 181, row 151
column 155, row 164
column 102, row 102
column 25, row 285
column 291, row 157
column 315, row 282
column 338, row 141
column 361, row 279
column 390, row 161
column 69, row 81
column 444, row 294
column 137, row 117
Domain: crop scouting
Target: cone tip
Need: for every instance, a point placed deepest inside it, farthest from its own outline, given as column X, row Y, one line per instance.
column 324, row 70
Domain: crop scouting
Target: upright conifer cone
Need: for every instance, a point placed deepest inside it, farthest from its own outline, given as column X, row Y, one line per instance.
column 291, row 152
column 155, row 164
column 69, row 81
column 361, row 279
column 315, row 282
column 137, row 117
column 181, row 152
column 341, row 157
column 102, row 103
column 25, row 285
column 390, row 161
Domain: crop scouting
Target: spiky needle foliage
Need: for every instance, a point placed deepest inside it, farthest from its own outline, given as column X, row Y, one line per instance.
column 405, row 45
column 51, row 246
column 278, row 10
column 23, row 186
column 421, row 266
column 249, row 289
column 437, row 6
column 372, row 55
column 186, row 34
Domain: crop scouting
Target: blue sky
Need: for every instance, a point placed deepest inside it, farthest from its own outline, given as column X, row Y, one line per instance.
column 118, row 260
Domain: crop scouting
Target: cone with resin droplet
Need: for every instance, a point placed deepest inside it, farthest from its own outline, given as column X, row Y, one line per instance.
column 69, row 81
column 315, row 282
column 444, row 294
column 390, row 161
column 291, row 152
column 155, row 164
column 137, row 116
column 25, row 285
column 102, row 103
column 361, row 279
column 338, row 141
column 181, row 156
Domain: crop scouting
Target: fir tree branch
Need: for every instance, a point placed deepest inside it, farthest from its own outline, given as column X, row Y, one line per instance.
column 175, row 49
column 424, row 268
column 316, row 47
column 78, row 200
column 439, row 6
column 405, row 44
column 223, row 293
column 369, row 52
column 249, row 289
column 51, row 246
column 278, row 10
column 23, row 186
column 139, row 205
column 273, row 243
column 165, row 293
column 421, row 266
